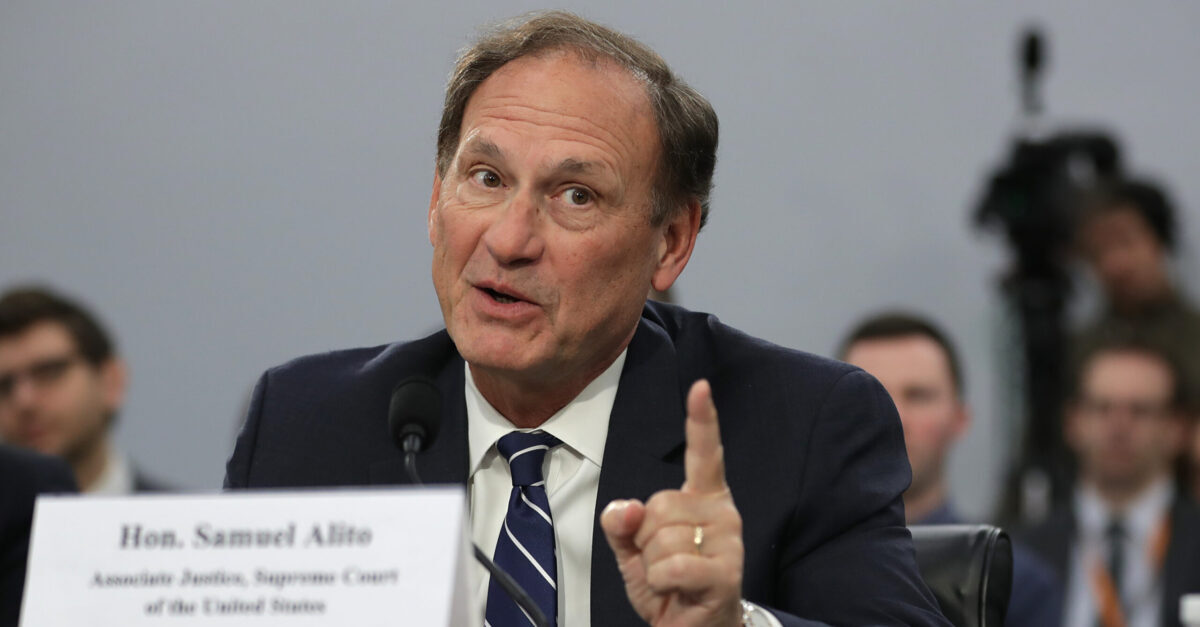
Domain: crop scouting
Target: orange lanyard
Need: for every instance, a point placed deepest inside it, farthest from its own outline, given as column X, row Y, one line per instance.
column 1111, row 614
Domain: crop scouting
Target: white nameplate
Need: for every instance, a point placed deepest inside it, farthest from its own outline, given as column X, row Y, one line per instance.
column 262, row 559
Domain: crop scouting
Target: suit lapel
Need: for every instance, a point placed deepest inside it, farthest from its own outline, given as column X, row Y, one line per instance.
column 642, row 455
column 446, row 461
column 1181, row 571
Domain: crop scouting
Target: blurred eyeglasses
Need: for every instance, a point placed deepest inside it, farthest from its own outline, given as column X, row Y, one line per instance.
column 42, row 374
column 1139, row 410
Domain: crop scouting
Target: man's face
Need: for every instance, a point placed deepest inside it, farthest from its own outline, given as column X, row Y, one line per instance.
column 1123, row 428
column 916, row 373
column 51, row 399
column 1126, row 256
column 543, row 249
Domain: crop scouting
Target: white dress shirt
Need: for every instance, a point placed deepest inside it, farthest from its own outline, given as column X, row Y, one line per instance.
column 1141, row 578
column 572, row 473
column 116, row 478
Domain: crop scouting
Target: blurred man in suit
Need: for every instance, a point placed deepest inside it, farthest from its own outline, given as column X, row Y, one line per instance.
column 1127, row 544
column 23, row 476
column 918, row 365
column 1126, row 235
column 573, row 174
column 61, row 386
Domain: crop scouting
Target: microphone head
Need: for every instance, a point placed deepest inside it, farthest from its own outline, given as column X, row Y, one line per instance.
column 415, row 409
column 1033, row 53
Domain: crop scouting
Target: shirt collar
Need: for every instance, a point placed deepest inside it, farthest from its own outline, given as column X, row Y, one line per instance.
column 581, row 425
column 117, row 476
column 1141, row 517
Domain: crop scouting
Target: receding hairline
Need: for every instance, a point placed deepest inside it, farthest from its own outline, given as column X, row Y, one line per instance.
column 594, row 59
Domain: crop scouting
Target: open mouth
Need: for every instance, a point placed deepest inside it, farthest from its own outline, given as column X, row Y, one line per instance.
column 501, row 297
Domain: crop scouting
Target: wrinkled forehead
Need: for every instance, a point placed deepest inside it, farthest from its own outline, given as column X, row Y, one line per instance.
column 562, row 89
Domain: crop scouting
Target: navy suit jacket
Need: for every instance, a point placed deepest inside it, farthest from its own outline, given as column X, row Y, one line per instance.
column 23, row 475
column 1054, row 538
column 814, row 457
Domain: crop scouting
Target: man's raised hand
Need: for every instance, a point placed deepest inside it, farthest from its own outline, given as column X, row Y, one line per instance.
column 681, row 552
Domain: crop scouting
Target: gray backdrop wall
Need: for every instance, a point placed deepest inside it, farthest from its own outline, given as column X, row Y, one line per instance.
column 234, row 184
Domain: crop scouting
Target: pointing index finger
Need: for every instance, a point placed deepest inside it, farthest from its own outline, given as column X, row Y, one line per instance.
column 704, row 460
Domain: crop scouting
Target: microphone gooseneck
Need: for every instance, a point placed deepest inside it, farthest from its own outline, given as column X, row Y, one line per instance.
column 414, row 415
column 514, row 590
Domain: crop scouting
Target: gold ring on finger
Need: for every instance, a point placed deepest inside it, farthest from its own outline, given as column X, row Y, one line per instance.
column 698, row 539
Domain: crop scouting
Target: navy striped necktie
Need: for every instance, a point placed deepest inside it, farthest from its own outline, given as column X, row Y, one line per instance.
column 525, row 549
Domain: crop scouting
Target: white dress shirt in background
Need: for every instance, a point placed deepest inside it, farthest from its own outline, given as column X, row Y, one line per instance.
column 116, row 478
column 1141, row 579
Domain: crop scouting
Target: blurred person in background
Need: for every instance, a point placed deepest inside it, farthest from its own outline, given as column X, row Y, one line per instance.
column 1126, row 235
column 61, row 386
column 1128, row 543
column 917, row 364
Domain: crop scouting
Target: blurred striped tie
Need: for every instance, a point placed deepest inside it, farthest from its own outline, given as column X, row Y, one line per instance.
column 525, row 549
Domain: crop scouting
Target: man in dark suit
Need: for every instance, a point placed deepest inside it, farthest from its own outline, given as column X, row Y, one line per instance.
column 61, row 387
column 918, row 365
column 572, row 177
column 1127, row 544
column 23, row 476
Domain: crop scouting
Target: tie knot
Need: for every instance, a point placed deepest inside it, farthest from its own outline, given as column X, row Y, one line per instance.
column 1115, row 530
column 525, row 453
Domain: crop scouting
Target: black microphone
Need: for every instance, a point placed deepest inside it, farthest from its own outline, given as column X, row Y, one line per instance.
column 1032, row 52
column 1032, row 57
column 414, row 414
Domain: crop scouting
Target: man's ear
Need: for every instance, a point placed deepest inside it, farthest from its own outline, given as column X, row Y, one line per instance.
column 114, row 378
column 434, row 197
column 1178, row 433
column 962, row 421
column 675, row 248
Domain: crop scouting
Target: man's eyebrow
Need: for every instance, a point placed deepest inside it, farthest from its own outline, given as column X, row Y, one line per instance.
column 487, row 148
column 575, row 166
column 484, row 147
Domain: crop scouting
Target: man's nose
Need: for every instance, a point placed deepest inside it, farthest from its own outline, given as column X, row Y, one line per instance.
column 24, row 392
column 514, row 237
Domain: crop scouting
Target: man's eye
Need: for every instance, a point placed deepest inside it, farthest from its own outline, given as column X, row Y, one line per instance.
column 487, row 178
column 920, row 395
column 577, row 196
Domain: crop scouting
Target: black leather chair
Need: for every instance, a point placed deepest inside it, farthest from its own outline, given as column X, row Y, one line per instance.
column 969, row 570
